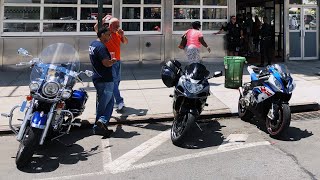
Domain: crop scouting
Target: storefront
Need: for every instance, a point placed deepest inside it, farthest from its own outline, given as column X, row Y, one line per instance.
column 153, row 27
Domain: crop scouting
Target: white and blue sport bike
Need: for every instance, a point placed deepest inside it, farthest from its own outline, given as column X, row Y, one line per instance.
column 267, row 97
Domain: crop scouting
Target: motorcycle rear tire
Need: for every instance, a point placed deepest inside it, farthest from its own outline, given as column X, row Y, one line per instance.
column 27, row 146
column 178, row 139
column 285, row 119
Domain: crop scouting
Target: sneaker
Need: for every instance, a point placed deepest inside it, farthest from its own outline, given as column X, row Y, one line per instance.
column 99, row 131
column 120, row 106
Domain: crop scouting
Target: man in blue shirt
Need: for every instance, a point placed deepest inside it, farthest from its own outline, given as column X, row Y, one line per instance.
column 103, row 81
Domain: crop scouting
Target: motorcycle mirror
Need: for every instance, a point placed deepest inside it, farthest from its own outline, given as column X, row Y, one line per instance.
column 88, row 73
column 23, row 52
column 217, row 74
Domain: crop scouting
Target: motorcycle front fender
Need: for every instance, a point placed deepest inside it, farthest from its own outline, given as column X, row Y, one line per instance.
column 39, row 120
column 195, row 112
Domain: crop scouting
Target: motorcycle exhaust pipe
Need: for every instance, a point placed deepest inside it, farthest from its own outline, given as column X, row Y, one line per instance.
column 25, row 121
column 50, row 116
column 241, row 91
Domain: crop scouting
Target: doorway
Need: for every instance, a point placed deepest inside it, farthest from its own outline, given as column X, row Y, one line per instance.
column 303, row 32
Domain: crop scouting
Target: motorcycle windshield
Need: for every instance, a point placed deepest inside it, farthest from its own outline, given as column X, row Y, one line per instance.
column 197, row 71
column 281, row 69
column 57, row 62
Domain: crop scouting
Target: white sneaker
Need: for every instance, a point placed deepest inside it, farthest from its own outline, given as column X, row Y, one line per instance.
column 120, row 106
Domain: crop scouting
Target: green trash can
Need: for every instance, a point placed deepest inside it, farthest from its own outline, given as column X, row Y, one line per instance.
column 233, row 67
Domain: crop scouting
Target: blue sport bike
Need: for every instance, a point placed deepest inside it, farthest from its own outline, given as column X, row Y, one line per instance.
column 267, row 97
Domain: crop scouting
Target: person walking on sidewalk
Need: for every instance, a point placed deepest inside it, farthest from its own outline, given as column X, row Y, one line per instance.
column 266, row 42
column 117, row 37
column 103, row 82
column 234, row 35
column 194, row 41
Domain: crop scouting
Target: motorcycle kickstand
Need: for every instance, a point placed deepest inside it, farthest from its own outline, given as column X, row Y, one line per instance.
column 199, row 126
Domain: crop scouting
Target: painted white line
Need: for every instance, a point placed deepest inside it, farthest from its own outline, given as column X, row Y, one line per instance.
column 126, row 161
column 169, row 160
column 196, row 155
column 106, row 153
column 234, row 140
column 75, row 176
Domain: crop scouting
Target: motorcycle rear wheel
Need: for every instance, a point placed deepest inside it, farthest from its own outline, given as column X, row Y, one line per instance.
column 275, row 129
column 27, row 146
column 180, row 126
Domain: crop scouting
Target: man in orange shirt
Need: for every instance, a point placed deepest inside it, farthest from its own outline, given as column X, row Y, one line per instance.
column 117, row 37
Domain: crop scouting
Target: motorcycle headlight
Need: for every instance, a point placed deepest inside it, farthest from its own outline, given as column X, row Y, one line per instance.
column 66, row 94
column 192, row 87
column 34, row 86
column 277, row 83
column 50, row 89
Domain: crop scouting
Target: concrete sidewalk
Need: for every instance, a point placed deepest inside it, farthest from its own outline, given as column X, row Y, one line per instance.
column 147, row 98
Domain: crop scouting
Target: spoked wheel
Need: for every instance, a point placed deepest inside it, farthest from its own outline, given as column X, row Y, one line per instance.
column 27, row 146
column 276, row 127
column 181, row 125
column 243, row 112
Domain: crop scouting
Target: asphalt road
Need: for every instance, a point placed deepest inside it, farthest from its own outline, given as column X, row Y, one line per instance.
column 226, row 149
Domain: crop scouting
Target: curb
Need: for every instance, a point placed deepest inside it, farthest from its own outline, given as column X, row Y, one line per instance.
column 221, row 113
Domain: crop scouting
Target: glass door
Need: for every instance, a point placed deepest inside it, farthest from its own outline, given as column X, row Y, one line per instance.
column 303, row 32
column 310, row 33
column 295, row 39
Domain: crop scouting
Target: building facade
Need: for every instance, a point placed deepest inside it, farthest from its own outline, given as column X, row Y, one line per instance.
column 153, row 27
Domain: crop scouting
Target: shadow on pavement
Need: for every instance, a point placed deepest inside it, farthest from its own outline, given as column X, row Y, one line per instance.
column 295, row 134
column 129, row 111
column 209, row 137
column 121, row 133
column 49, row 157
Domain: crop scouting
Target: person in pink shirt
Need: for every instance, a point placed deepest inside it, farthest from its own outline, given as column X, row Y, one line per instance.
column 194, row 41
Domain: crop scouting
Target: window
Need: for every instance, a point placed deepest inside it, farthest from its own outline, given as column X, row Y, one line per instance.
column 51, row 17
column 299, row 2
column 211, row 13
column 141, row 16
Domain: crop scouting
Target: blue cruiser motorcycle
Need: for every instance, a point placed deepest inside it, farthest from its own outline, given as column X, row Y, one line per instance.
column 52, row 105
column 267, row 97
column 190, row 95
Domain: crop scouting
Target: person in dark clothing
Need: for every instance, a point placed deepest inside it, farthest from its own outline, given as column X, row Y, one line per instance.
column 266, row 42
column 256, row 33
column 103, row 81
column 233, row 37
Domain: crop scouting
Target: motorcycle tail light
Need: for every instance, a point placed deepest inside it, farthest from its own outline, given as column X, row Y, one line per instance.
column 29, row 98
column 60, row 105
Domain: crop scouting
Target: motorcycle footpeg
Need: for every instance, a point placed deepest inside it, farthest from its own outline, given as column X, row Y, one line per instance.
column 76, row 124
column 5, row 115
column 171, row 95
column 206, row 104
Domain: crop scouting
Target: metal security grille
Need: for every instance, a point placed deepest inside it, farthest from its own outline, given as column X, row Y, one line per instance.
column 305, row 116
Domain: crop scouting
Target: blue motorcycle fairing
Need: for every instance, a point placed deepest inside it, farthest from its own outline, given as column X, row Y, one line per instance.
column 79, row 95
column 277, row 76
column 39, row 120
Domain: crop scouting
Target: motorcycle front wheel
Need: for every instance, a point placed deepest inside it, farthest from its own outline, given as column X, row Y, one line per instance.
column 276, row 127
column 180, row 126
column 244, row 113
column 28, row 145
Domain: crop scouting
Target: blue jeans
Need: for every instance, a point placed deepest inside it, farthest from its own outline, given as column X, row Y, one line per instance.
column 116, row 74
column 104, row 102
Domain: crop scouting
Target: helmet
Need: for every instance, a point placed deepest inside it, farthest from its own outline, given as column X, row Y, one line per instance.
column 170, row 73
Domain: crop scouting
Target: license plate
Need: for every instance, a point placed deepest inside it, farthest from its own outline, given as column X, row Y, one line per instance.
column 23, row 106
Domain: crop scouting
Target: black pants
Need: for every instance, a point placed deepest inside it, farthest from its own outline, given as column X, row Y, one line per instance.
column 266, row 50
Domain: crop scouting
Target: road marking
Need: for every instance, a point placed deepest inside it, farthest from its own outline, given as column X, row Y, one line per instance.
column 234, row 140
column 197, row 155
column 106, row 153
column 125, row 161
